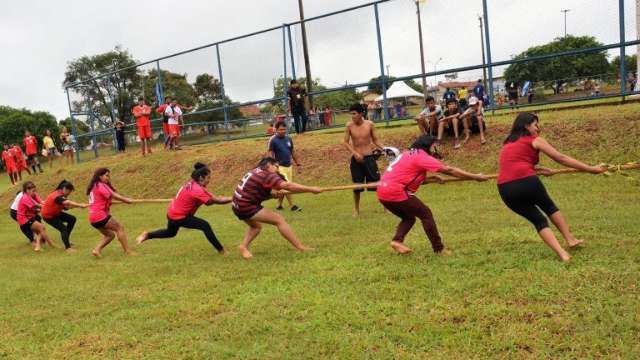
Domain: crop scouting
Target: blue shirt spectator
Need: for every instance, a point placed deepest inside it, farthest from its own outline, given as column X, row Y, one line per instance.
column 282, row 148
column 478, row 90
column 448, row 95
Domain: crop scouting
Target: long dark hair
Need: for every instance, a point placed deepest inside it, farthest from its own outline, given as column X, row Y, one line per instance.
column 267, row 161
column 519, row 128
column 96, row 179
column 64, row 184
column 27, row 185
column 200, row 170
column 425, row 142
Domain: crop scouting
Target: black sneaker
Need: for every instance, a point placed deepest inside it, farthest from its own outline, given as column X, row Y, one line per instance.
column 296, row 208
column 279, row 207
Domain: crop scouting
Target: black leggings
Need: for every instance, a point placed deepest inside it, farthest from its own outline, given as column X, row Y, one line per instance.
column 526, row 197
column 190, row 222
column 59, row 221
column 25, row 230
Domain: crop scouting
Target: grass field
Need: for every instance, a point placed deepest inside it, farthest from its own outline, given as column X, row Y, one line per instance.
column 502, row 294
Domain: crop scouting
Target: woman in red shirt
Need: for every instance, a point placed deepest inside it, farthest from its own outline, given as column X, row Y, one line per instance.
column 181, row 211
column 53, row 212
column 520, row 188
column 101, row 193
column 10, row 165
column 254, row 188
column 28, row 217
column 397, row 188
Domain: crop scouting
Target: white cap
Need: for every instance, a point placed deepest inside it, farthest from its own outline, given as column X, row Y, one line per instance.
column 390, row 153
column 473, row 100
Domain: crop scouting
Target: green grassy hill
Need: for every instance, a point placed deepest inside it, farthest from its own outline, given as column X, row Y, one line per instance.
column 501, row 294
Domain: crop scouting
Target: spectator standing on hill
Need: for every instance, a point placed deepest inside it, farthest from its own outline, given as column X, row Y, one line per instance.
column 478, row 90
column 142, row 112
column 31, row 149
column 298, row 106
column 21, row 162
column 165, row 119
column 448, row 95
column 49, row 147
column 120, row 142
column 10, row 164
column 360, row 139
column 512, row 91
column 429, row 116
column 280, row 147
column 67, row 145
column 530, row 95
column 174, row 113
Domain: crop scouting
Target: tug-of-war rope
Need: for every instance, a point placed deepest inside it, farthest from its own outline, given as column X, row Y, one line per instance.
column 618, row 169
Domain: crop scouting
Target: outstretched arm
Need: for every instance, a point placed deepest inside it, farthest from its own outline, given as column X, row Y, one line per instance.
column 544, row 146
column 124, row 199
column 462, row 174
column 72, row 204
column 296, row 188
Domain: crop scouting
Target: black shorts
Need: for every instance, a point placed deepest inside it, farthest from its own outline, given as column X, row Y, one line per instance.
column 26, row 227
column 513, row 96
column 364, row 172
column 13, row 214
column 100, row 224
column 473, row 124
column 246, row 215
column 31, row 158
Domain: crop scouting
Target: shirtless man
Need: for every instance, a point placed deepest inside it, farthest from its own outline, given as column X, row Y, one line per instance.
column 360, row 139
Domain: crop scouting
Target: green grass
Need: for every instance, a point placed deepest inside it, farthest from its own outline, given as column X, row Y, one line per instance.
column 502, row 294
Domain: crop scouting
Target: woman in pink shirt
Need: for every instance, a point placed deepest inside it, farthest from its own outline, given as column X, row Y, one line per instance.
column 28, row 218
column 101, row 193
column 520, row 188
column 181, row 211
column 397, row 188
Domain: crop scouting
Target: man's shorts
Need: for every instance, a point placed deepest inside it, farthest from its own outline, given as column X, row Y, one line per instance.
column 365, row 172
column 165, row 129
column 174, row 130
column 144, row 131
column 513, row 96
column 287, row 172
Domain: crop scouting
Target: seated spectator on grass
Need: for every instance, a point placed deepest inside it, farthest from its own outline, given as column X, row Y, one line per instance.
column 428, row 117
column 453, row 115
column 475, row 115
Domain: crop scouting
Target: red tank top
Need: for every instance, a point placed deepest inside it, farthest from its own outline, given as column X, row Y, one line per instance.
column 517, row 160
column 52, row 208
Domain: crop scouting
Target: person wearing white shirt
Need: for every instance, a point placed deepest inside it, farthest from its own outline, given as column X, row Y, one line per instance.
column 174, row 113
column 13, row 212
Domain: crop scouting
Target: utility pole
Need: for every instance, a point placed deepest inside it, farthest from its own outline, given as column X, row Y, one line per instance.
column 484, row 61
column 305, row 50
column 565, row 11
column 388, row 65
column 424, row 78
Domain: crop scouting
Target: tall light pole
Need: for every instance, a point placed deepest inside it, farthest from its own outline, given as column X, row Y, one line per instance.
column 435, row 68
column 388, row 66
column 565, row 11
column 424, row 78
column 305, row 51
column 484, row 61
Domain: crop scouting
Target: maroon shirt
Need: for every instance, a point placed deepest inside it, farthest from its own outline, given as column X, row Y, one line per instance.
column 254, row 188
column 517, row 160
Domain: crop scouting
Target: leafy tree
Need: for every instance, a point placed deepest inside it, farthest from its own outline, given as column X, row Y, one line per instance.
column 414, row 85
column 207, row 88
column 173, row 85
column 630, row 64
column 14, row 122
column 562, row 67
column 117, row 91
column 341, row 99
column 377, row 87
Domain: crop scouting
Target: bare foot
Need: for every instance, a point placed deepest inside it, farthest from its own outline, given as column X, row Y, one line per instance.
column 244, row 252
column 575, row 242
column 36, row 248
column 130, row 253
column 305, row 248
column 142, row 237
column 355, row 214
column 96, row 253
column 445, row 252
column 223, row 252
column 70, row 250
column 483, row 141
column 565, row 257
column 400, row 247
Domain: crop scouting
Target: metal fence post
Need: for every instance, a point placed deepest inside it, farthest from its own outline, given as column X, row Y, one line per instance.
column 623, row 72
column 74, row 127
column 485, row 16
column 285, row 87
column 160, row 93
column 224, row 103
column 293, row 64
column 381, row 58
column 93, row 127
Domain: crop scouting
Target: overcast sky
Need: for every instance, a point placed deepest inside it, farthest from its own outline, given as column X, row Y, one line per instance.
column 39, row 37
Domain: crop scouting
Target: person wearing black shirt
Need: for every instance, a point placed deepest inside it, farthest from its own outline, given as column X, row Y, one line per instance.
column 512, row 90
column 119, row 127
column 297, row 105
